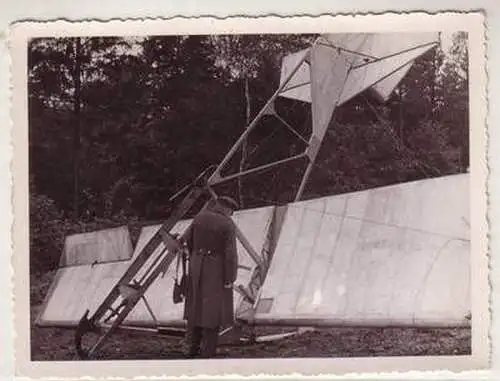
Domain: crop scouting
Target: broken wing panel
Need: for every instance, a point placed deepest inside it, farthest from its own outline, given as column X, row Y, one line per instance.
column 363, row 77
column 357, row 49
column 97, row 247
column 388, row 44
column 78, row 288
column 393, row 255
column 384, row 88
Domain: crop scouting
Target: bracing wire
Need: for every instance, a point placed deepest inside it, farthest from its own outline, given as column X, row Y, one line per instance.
column 400, row 146
column 290, row 128
column 273, row 132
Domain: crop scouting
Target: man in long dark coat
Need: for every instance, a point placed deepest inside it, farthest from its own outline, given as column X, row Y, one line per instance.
column 213, row 266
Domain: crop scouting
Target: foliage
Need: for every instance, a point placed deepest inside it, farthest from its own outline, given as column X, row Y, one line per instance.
column 46, row 233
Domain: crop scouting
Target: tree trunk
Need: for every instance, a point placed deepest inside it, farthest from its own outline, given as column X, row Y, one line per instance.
column 433, row 88
column 244, row 146
column 76, row 135
column 401, row 119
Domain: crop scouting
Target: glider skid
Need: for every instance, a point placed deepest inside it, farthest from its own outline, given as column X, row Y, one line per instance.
column 152, row 260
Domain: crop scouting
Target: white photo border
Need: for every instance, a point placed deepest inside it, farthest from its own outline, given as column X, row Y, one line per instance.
column 473, row 23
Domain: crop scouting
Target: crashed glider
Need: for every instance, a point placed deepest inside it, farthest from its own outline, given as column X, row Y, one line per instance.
column 390, row 256
column 349, row 254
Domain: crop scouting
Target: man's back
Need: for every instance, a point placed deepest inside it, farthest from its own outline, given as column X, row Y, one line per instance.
column 211, row 231
column 213, row 267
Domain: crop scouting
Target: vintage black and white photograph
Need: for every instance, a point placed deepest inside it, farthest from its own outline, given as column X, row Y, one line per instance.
column 254, row 195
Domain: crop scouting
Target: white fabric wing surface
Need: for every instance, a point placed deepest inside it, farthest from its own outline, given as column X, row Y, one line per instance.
column 97, row 247
column 393, row 255
column 377, row 61
column 78, row 288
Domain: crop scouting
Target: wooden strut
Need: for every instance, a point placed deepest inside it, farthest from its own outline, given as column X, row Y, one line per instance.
column 129, row 291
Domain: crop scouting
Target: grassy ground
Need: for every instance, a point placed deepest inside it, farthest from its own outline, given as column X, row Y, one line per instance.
column 58, row 344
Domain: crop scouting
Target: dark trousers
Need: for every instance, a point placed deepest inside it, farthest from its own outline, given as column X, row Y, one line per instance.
column 203, row 342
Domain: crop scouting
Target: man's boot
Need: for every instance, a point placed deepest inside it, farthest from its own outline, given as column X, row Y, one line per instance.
column 211, row 336
column 194, row 339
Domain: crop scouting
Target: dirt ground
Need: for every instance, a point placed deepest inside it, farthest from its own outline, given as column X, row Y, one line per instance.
column 49, row 344
column 57, row 344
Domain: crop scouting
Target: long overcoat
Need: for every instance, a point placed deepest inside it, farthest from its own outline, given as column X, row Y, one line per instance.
column 213, row 262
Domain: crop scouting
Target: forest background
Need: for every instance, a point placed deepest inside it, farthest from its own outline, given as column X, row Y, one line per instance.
column 118, row 125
